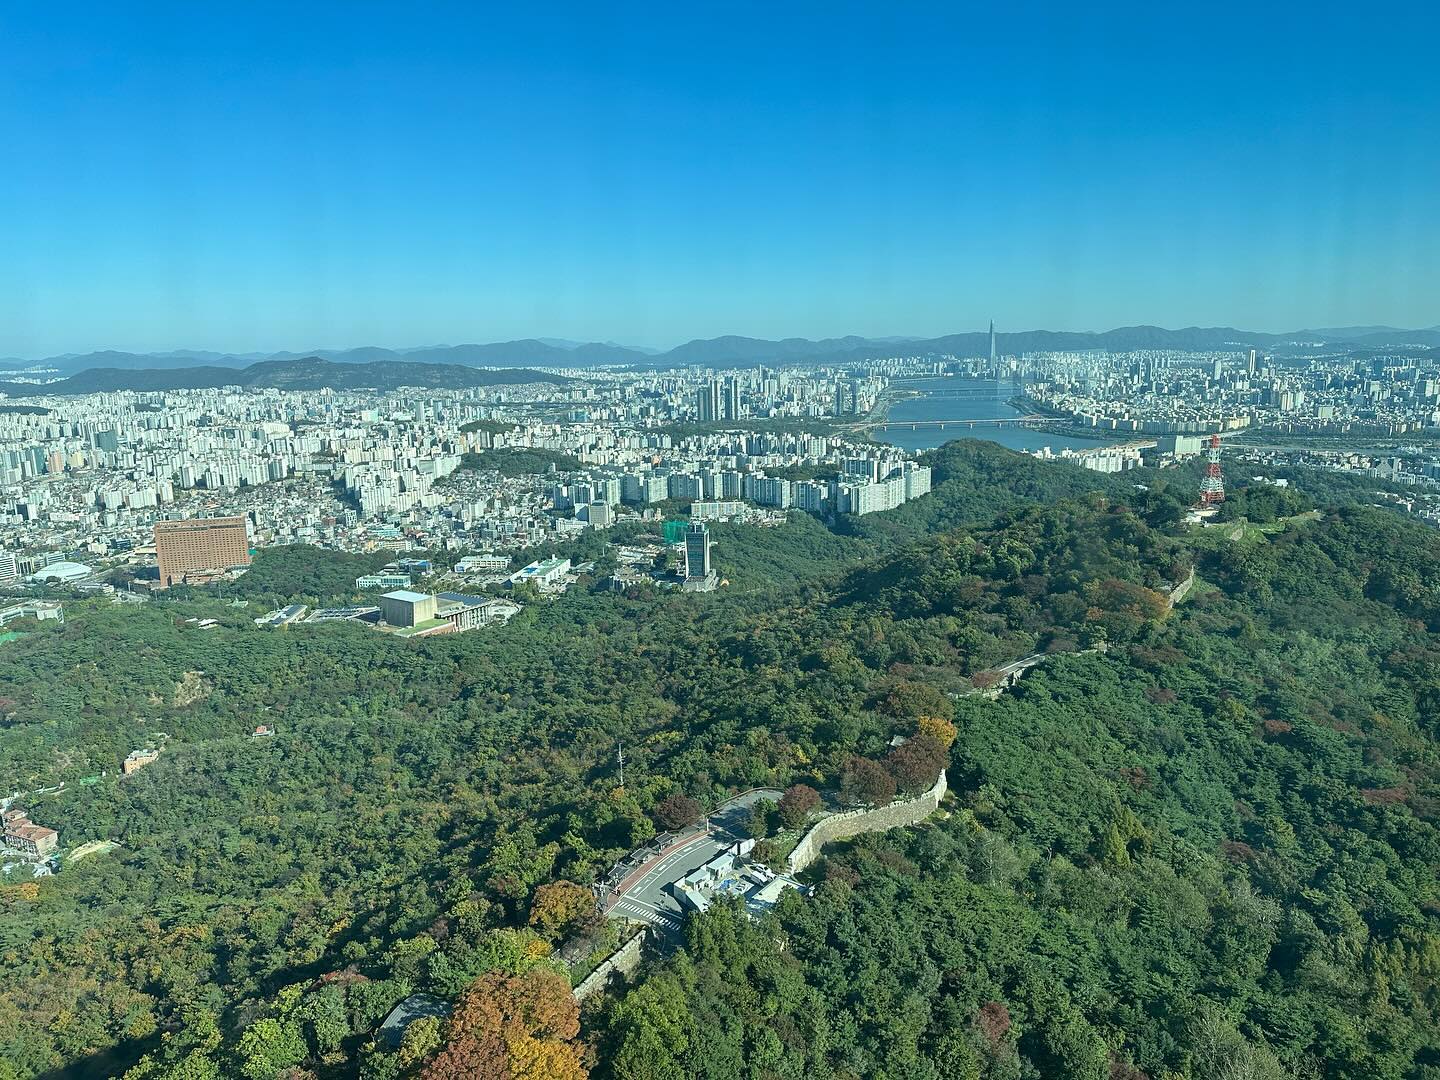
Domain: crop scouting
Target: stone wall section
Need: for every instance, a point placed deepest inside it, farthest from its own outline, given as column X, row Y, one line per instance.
column 622, row 961
column 854, row 822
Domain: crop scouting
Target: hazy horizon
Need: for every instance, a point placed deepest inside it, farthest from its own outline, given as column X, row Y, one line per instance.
column 261, row 353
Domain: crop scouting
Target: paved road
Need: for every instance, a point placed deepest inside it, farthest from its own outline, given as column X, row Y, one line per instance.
column 646, row 895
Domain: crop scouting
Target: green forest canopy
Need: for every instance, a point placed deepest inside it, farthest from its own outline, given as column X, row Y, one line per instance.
column 1208, row 851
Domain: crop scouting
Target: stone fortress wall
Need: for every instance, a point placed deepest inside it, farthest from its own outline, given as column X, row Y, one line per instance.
column 854, row 822
column 622, row 962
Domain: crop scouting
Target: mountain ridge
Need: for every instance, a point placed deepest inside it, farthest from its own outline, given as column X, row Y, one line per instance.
column 308, row 373
column 735, row 349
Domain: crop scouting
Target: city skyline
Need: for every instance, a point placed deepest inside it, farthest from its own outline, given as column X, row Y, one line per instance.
column 188, row 178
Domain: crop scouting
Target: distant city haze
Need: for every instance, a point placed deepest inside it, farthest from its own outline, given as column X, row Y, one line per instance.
column 446, row 362
column 256, row 178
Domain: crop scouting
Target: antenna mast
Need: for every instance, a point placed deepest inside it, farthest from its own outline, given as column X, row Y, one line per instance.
column 1212, row 488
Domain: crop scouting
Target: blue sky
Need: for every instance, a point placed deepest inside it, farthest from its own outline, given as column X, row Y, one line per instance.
column 255, row 176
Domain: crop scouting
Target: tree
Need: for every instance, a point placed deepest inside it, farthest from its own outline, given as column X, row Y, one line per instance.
column 866, row 783
column 797, row 804
column 512, row 1028
column 759, row 823
column 677, row 811
column 938, row 728
column 269, row 1047
column 918, row 699
column 654, row 1031
column 559, row 906
column 916, row 763
column 421, row 1039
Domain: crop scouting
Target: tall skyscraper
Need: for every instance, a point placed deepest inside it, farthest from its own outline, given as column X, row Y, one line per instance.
column 707, row 401
column 697, row 551
column 200, row 544
column 1250, row 363
column 992, row 343
column 732, row 398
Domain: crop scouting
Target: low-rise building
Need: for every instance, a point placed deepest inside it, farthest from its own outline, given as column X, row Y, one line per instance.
column 731, row 873
column 31, row 840
column 488, row 563
column 41, row 610
column 545, row 573
column 61, row 573
column 383, row 580
column 137, row 760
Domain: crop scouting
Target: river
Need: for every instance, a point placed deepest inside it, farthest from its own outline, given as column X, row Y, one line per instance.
column 966, row 399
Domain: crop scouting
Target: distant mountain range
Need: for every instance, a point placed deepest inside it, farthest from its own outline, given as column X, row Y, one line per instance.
column 528, row 353
column 308, row 373
column 731, row 350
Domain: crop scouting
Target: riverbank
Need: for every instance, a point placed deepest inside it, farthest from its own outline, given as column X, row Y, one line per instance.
column 1059, row 423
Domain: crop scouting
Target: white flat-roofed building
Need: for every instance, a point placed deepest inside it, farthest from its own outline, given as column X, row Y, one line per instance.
column 545, row 573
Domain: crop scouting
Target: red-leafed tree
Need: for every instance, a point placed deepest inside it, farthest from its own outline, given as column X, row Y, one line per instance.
column 797, row 804
column 866, row 783
column 678, row 811
column 916, row 763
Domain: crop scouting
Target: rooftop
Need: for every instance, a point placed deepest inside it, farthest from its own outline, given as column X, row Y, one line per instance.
column 407, row 595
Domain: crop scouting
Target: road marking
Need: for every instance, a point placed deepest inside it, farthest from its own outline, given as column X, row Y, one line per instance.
column 648, row 913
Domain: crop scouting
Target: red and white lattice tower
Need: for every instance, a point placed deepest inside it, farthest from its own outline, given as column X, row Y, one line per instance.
column 1212, row 488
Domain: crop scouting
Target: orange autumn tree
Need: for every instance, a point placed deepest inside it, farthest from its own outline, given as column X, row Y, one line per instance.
column 512, row 1028
column 938, row 728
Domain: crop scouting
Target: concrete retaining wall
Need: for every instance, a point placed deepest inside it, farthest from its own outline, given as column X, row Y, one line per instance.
column 622, row 961
column 854, row 822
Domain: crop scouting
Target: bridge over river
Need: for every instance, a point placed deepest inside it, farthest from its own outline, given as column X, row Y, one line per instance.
column 965, row 422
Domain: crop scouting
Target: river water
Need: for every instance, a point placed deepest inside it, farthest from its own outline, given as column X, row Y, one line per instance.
column 966, row 399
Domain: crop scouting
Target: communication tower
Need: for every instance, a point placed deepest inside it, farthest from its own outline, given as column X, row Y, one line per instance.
column 1212, row 488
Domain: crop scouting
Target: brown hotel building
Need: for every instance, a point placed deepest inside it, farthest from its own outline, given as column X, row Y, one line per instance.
column 199, row 544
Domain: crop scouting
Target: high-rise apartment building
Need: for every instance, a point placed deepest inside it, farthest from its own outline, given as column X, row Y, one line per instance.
column 697, row 551
column 200, row 544
column 732, row 398
column 707, row 401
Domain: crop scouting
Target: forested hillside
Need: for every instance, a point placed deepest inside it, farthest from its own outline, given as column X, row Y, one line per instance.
column 1211, row 854
column 1195, row 843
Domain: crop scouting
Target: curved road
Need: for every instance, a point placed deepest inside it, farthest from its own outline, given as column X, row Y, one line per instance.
column 645, row 894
